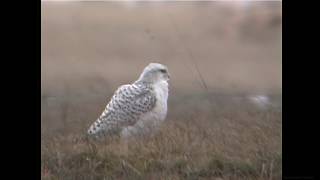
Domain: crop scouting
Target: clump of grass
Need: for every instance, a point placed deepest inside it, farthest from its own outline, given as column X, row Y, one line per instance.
column 237, row 142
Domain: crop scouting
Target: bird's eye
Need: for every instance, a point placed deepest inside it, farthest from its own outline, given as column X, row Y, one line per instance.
column 163, row 70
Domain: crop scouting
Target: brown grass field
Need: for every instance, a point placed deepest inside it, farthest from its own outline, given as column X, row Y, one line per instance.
column 88, row 49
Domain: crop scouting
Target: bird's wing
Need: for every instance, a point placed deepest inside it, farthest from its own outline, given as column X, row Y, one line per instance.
column 126, row 106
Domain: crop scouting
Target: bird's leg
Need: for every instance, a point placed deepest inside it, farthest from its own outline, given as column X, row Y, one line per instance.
column 125, row 136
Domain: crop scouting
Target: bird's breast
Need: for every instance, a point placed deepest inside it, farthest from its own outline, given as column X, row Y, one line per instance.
column 161, row 91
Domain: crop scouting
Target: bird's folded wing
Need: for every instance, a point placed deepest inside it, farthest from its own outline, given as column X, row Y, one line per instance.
column 125, row 108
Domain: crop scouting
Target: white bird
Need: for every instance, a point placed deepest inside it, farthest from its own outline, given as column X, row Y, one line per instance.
column 137, row 107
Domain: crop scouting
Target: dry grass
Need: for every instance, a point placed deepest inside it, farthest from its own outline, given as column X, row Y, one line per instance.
column 244, row 143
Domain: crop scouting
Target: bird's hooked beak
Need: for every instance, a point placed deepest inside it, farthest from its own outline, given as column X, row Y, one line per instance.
column 168, row 76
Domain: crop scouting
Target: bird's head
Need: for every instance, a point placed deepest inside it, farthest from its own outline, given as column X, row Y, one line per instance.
column 154, row 72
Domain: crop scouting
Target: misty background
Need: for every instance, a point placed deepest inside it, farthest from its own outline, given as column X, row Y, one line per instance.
column 89, row 49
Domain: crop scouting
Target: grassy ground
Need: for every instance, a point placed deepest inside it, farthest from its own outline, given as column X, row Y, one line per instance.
column 236, row 142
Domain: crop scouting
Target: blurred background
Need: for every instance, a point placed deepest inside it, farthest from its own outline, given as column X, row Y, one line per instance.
column 218, row 54
column 225, row 93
